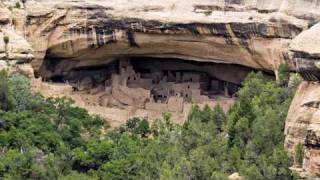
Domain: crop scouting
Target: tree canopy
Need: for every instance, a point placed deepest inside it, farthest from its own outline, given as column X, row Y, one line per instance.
column 52, row 139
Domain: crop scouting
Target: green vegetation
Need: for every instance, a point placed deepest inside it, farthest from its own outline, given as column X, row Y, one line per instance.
column 18, row 6
column 283, row 74
column 256, row 124
column 5, row 97
column 311, row 23
column 208, row 13
column 298, row 155
column 51, row 139
column 6, row 39
column 37, row 135
column 6, row 42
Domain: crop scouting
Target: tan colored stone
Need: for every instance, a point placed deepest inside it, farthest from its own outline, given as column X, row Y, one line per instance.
column 25, row 69
column 175, row 104
column 235, row 176
column 308, row 42
column 303, row 125
column 5, row 16
column 253, row 33
column 3, row 65
column 17, row 48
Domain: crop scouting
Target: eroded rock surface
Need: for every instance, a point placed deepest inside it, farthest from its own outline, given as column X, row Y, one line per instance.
column 305, row 52
column 303, row 121
column 303, row 125
column 86, row 33
column 67, row 35
column 15, row 50
column 17, row 47
column 13, row 45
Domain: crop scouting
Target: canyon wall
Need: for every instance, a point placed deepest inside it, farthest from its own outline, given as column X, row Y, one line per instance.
column 303, row 125
column 303, row 121
column 62, row 35
column 89, row 33
column 15, row 50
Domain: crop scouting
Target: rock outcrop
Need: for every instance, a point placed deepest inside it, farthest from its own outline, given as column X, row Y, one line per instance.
column 13, row 45
column 305, row 52
column 72, row 34
column 17, row 48
column 65, row 35
column 14, row 48
column 235, row 176
column 303, row 125
column 303, row 121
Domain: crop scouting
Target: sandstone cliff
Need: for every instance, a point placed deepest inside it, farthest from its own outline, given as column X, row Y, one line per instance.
column 303, row 126
column 87, row 33
column 303, row 123
column 14, row 48
column 305, row 52
column 63, row 35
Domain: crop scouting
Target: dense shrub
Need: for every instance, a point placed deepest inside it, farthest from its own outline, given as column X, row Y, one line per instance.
column 283, row 74
column 51, row 139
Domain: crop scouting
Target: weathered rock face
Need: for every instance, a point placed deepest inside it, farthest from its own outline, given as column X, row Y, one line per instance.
column 303, row 121
column 17, row 48
column 256, row 34
column 5, row 15
column 305, row 52
column 303, row 125
column 261, row 34
column 13, row 46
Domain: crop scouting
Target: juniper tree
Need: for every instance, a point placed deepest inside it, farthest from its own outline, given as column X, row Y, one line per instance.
column 6, row 41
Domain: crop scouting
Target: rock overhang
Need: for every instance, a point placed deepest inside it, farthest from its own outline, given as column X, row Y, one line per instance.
column 305, row 52
column 223, row 42
column 244, row 34
column 252, row 33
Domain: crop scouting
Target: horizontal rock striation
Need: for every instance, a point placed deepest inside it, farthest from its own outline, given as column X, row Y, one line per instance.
column 303, row 121
column 90, row 33
column 65, row 35
column 13, row 46
column 305, row 51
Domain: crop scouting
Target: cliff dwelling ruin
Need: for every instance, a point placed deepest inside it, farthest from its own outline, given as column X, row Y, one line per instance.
column 148, row 86
column 127, row 58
